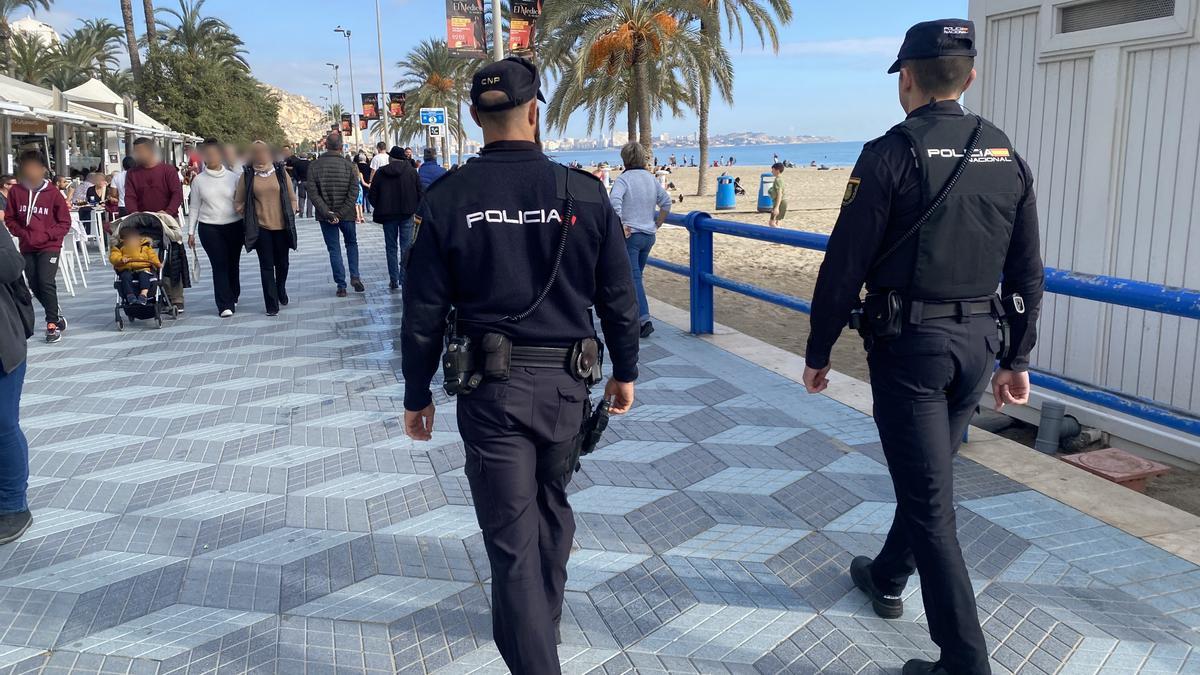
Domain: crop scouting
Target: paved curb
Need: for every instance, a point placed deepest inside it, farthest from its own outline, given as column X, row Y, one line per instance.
column 1160, row 524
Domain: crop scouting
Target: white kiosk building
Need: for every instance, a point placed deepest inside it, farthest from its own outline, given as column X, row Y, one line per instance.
column 1102, row 98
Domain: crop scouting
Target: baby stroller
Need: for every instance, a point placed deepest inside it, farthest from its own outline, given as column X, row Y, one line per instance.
column 151, row 226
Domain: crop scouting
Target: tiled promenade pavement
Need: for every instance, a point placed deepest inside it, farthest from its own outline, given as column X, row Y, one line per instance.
column 238, row 496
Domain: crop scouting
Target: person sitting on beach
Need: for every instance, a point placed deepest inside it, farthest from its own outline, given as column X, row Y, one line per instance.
column 778, row 196
column 737, row 186
column 136, row 263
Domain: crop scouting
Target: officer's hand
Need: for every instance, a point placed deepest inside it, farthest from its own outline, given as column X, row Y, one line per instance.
column 419, row 425
column 816, row 380
column 619, row 395
column 1010, row 387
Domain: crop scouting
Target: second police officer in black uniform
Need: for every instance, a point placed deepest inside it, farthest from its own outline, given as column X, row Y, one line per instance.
column 520, row 248
column 938, row 213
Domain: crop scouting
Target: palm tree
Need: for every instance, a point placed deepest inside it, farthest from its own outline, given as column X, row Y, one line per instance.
column 201, row 36
column 89, row 51
column 151, row 26
column 760, row 18
column 99, row 39
column 636, row 47
column 7, row 9
column 433, row 78
column 121, row 82
column 28, row 59
column 131, row 40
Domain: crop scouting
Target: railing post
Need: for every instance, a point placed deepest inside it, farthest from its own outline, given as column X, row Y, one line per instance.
column 701, row 264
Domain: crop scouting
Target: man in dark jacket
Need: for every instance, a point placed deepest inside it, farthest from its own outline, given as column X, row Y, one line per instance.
column 153, row 186
column 396, row 191
column 333, row 185
column 16, row 326
column 430, row 169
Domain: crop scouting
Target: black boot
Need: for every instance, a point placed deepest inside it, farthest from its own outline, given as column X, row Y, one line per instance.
column 886, row 606
column 919, row 667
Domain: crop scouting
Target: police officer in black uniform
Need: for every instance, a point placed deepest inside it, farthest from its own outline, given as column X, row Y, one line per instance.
column 520, row 248
column 938, row 213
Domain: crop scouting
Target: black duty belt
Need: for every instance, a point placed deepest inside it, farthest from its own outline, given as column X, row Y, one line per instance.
column 927, row 311
column 540, row 357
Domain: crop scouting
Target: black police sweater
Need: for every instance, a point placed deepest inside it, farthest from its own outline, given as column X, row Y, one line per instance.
column 485, row 245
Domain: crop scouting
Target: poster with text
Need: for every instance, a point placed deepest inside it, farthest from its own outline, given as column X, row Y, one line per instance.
column 466, row 34
column 522, row 26
column 370, row 107
column 396, row 104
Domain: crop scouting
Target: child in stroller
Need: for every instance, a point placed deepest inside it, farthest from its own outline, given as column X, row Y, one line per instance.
column 137, row 265
column 141, row 244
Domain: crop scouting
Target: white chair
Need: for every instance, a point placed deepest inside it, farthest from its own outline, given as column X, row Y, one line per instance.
column 69, row 262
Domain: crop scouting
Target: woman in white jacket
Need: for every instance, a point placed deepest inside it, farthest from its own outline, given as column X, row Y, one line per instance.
column 211, row 211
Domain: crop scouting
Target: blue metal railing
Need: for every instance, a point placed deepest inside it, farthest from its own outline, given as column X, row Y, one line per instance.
column 1141, row 295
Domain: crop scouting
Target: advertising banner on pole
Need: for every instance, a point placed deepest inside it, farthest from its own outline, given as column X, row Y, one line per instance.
column 396, row 102
column 522, row 26
column 347, row 124
column 370, row 107
column 466, row 34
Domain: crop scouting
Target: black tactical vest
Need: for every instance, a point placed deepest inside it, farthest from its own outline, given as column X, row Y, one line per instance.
column 960, row 251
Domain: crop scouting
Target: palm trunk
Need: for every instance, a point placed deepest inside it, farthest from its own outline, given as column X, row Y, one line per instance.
column 645, row 126
column 135, row 59
column 151, row 27
column 631, row 121
column 6, row 46
column 705, row 99
column 462, row 139
column 445, row 149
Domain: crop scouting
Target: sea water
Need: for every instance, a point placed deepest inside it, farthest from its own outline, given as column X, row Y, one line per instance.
column 801, row 154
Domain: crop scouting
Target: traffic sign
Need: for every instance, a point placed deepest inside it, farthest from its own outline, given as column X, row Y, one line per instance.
column 435, row 131
column 433, row 116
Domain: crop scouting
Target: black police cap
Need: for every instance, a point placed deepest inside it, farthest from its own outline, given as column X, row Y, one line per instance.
column 516, row 77
column 933, row 39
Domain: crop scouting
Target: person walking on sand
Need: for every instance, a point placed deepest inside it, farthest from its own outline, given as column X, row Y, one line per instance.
column 779, row 206
column 16, row 327
column 268, row 207
column 39, row 217
column 214, row 219
column 643, row 206
column 334, row 185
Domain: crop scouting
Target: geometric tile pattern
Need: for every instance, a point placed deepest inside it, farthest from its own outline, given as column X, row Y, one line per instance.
column 237, row 496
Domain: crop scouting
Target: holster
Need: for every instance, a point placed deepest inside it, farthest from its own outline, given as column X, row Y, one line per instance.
column 587, row 360
column 460, row 376
column 878, row 317
column 565, row 459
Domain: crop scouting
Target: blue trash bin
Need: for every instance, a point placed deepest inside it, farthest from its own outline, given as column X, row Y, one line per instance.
column 726, row 199
column 765, row 203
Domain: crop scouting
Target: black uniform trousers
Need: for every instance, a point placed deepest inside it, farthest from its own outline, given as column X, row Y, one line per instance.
column 272, row 248
column 41, row 271
column 528, row 527
column 926, row 385
column 223, row 244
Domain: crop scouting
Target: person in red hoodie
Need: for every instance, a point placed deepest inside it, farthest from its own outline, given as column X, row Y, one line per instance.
column 39, row 217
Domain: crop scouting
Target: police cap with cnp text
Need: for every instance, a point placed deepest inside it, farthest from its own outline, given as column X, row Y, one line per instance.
column 933, row 39
column 516, row 77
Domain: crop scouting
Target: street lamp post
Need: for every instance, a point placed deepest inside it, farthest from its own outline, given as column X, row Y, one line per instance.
column 497, row 32
column 353, row 93
column 383, row 104
column 337, row 80
column 330, row 99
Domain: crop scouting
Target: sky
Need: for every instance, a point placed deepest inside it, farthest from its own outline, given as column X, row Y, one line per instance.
column 828, row 79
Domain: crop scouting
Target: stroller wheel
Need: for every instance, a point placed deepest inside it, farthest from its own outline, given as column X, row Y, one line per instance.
column 120, row 324
column 158, row 321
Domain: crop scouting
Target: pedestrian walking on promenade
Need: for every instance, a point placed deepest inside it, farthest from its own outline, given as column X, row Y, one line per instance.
column 39, row 217
column 16, row 327
column 265, row 200
column 643, row 206
column 396, row 192
column 932, row 239
column 522, row 424
column 213, row 216
column 153, row 186
column 297, row 167
column 334, row 184
column 430, row 169
column 118, row 181
column 380, row 160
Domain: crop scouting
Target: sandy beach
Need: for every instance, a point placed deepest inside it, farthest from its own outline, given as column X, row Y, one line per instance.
column 814, row 200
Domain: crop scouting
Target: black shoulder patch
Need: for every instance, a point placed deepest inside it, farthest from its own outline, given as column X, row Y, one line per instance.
column 585, row 187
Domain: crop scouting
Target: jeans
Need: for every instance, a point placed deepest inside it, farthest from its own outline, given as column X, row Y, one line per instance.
column 305, row 204
column 397, row 239
column 223, row 244
column 349, row 233
column 14, row 450
column 638, row 246
column 134, row 282
column 272, row 248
